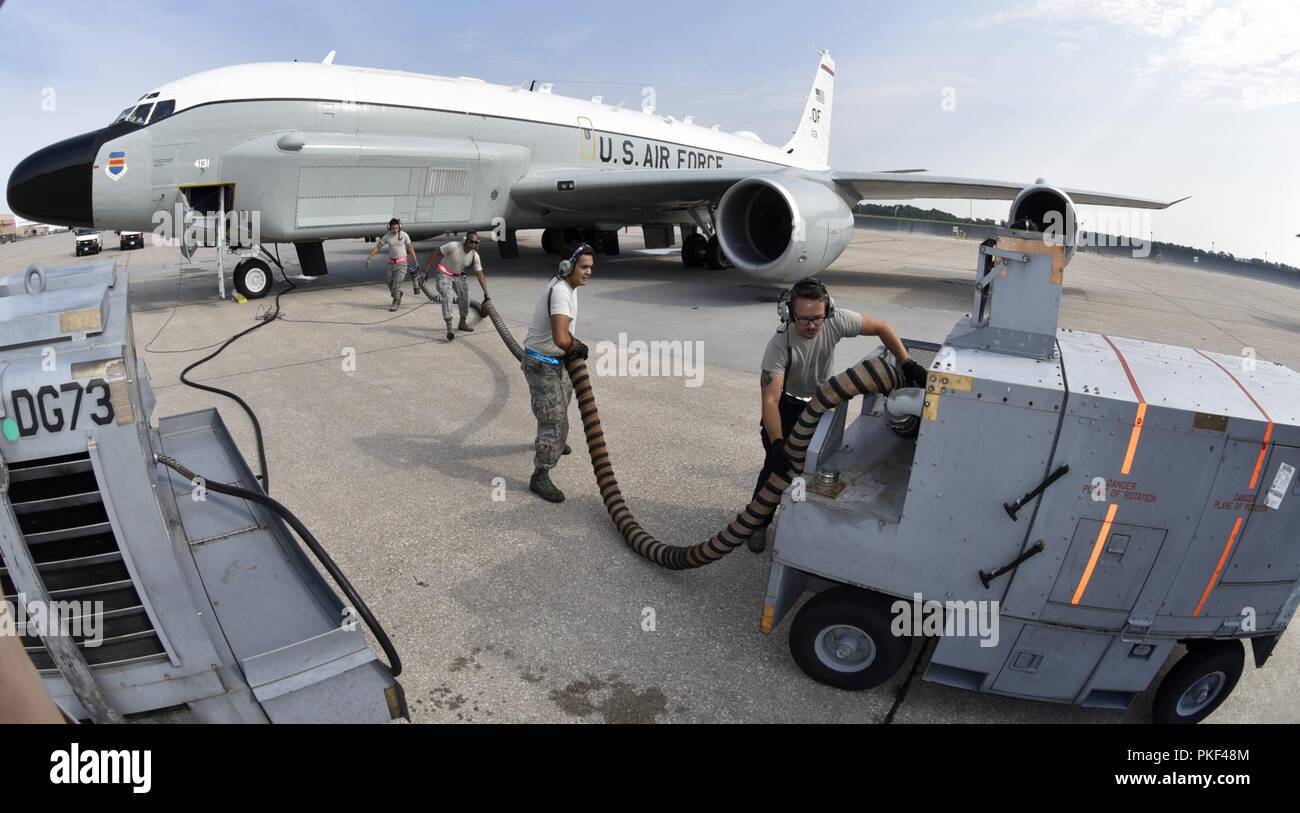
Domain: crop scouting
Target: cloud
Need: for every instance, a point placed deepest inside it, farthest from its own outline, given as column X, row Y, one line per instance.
column 1240, row 54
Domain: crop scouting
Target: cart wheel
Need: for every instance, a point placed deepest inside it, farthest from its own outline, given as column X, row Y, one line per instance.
column 842, row 638
column 253, row 278
column 1199, row 682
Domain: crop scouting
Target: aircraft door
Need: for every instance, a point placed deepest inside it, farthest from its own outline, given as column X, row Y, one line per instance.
column 586, row 139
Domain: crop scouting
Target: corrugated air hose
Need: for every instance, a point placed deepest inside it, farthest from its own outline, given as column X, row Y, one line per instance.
column 872, row 375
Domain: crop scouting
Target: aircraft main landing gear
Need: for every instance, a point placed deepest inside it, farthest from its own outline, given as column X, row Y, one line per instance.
column 553, row 241
column 716, row 258
column 695, row 250
column 701, row 246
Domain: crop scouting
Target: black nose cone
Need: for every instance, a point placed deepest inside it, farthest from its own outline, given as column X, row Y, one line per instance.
column 52, row 185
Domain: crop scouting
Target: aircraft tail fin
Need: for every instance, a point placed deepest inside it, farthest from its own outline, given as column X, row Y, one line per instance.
column 812, row 140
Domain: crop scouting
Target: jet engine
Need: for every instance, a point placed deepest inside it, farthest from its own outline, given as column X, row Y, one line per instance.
column 783, row 227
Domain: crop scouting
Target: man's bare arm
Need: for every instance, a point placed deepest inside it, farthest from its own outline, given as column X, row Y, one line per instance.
column 23, row 696
column 560, row 331
column 872, row 326
column 771, row 385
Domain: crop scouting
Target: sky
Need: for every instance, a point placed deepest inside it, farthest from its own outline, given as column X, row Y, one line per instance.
column 1152, row 98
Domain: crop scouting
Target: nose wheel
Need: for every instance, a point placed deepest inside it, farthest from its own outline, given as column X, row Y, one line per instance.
column 253, row 278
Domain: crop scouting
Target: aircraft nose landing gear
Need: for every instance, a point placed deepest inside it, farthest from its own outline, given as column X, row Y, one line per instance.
column 253, row 278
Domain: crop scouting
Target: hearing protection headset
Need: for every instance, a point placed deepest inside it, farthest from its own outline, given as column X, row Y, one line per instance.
column 567, row 266
column 785, row 303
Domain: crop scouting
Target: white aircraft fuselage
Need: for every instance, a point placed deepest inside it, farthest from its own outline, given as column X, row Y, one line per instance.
column 321, row 151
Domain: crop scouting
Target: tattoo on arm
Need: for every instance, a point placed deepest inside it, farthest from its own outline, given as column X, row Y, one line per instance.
column 765, row 379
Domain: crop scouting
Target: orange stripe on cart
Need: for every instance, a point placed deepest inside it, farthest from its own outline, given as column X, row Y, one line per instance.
column 1140, row 418
column 1096, row 553
column 1134, row 438
column 1218, row 569
column 1259, row 461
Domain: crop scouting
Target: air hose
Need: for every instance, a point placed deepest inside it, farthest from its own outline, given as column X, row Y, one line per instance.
column 872, row 375
column 394, row 660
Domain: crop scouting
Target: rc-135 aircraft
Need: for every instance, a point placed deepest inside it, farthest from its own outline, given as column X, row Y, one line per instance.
column 324, row 151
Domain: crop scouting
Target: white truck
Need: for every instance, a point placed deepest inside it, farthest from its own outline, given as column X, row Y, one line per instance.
column 88, row 242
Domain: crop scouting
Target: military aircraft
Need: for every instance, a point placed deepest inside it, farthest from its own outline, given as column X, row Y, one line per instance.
column 320, row 151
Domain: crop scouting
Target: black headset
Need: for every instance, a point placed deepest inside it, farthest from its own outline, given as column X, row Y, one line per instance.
column 566, row 266
column 785, row 303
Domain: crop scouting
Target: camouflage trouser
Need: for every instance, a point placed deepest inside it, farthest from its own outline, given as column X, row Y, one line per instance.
column 446, row 285
column 551, row 392
column 396, row 273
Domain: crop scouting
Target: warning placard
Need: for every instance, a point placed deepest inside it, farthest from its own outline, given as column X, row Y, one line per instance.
column 1281, row 484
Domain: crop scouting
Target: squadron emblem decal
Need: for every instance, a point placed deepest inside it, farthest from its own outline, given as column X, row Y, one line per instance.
column 116, row 167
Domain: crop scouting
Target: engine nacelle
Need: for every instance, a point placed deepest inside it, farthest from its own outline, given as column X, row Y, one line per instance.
column 783, row 227
column 1048, row 211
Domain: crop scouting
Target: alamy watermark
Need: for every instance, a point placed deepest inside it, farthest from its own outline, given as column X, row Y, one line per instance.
column 920, row 618
column 1106, row 229
column 83, row 620
column 243, row 227
column 637, row 358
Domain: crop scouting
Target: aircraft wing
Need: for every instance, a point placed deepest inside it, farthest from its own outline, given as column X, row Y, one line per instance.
column 891, row 186
column 583, row 190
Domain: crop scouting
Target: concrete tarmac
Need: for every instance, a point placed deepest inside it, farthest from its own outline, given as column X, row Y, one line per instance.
column 409, row 458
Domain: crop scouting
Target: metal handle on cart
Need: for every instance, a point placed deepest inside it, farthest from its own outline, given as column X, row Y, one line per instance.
column 986, row 577
column 1012, row 508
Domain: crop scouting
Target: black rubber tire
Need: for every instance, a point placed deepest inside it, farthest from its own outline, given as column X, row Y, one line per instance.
column 695, row 250
column 552, row 241
column 1203, row 660
column 248, row 274
column 864, row 610
column 717, row 259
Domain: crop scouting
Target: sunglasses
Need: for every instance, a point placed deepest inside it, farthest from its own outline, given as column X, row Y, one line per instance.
column 471, row 242
column 809, row 321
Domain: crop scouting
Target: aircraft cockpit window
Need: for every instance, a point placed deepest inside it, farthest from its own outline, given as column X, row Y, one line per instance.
column 141, row 114
column 163, row 109
column 153, row 95
column 122, row 116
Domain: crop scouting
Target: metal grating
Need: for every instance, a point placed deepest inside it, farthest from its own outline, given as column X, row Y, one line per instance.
column 447, row 182
column 923, row 353
column 61, row 515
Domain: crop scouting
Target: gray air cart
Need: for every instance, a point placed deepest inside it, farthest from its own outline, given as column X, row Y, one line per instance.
column 175, row 598
column 1074, row 507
